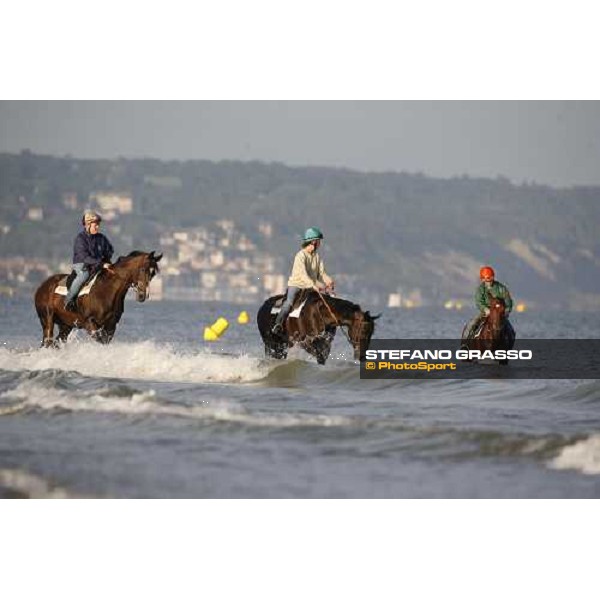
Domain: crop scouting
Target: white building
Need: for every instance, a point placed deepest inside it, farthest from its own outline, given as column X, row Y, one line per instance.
column 112, row 203
column 35, row 214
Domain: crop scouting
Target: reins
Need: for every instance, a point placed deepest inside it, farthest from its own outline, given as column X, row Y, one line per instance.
column 335, row 319
column 114, row 273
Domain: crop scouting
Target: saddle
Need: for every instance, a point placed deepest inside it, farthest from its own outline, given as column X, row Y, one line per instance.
column 299, row 303
column 65, row 283
column 508, row 331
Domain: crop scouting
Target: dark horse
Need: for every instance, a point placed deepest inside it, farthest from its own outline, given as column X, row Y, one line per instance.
column 100, row 310
column 495, row 333
column 315, row 328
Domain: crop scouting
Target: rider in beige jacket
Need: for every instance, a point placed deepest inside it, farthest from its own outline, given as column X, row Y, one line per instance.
column 308, row 272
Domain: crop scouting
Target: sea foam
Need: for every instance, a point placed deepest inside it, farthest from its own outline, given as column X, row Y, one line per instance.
column 142, row 360
column 582, row 456
column 33, row 395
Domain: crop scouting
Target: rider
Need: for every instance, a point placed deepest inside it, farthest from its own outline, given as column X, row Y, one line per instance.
column 308, row 272
column 497, row 290
column 91, row 252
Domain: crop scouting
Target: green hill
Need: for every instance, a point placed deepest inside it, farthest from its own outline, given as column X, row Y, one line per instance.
column 389, row 229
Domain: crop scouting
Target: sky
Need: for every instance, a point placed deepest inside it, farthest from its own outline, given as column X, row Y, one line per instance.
column 547, row 142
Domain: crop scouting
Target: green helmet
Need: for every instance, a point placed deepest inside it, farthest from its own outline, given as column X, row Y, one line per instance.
column 312, row 233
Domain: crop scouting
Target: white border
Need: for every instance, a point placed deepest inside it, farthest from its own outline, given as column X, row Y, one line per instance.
column 432, row 49
column 297, row 549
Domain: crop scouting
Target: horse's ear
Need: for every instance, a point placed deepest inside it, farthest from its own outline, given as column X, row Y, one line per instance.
column 157, row 257
column 151, row 255
column 370, row 317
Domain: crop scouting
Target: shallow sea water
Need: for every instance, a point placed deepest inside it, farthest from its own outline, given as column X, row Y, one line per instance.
column 160, row 413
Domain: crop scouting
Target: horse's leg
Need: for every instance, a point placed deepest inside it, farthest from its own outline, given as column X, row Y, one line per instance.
column 46, row 316
column 313, row 346
column 63, row 332
column 109, row 333
column 322, row 356
column 322, row 349
column 507, row 336
column 276, row 350
column 101, row 336
column 106, row 335
column 96, row 332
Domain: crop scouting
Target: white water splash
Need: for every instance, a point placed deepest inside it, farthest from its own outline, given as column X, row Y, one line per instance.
column 33, row 395
column 142, row 360
column 582, row 456
column 31, row 486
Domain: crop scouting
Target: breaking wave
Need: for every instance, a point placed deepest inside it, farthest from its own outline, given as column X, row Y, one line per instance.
column 142, row 360
column 18, row 483
column 582, row 456
column 33, row 395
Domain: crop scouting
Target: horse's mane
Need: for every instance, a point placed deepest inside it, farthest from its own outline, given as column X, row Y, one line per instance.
column 345, row 307
column 124, row 259
column 133, row 254
column 501, row 300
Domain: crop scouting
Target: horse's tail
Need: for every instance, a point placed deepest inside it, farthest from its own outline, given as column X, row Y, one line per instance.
column 44, row 306
column 263, row 317
column 46, row 289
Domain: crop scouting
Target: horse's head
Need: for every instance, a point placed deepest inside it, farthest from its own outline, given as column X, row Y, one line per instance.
column 497, row 308
column 146, row 268
column 360, row 331
column 497, row 312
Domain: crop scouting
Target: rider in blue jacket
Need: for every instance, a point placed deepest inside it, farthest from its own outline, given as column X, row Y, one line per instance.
column 91, row 252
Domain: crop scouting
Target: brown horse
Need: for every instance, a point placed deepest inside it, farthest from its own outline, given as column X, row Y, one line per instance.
column 496, row 332
column 316, row 326
column 100, row 311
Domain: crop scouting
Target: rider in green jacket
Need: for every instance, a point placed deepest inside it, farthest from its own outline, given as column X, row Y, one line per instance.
column 487, row 286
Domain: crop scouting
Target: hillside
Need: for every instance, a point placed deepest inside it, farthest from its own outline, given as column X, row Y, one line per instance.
column 390, row 230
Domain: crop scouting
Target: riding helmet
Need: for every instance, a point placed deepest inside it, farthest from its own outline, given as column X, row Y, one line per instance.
column 487, row 273
column 89, row 216
column 311, row 234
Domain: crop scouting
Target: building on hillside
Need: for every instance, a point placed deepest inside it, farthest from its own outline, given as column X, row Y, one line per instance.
column 111, row 204
column 218, row 262
column 69, row 200
column 35, row 213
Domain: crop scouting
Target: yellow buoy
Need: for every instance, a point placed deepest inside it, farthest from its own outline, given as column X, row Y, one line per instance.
column 216, row 330
column 521, row 307
column 219, row 326
column 243, row 318
column 210, row 335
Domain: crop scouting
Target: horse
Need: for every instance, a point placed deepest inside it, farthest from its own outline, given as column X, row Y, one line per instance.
column 495, row 333
column 315, row 328
column 98, row 312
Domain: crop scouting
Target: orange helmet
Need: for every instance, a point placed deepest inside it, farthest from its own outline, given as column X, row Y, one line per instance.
column 487, row 273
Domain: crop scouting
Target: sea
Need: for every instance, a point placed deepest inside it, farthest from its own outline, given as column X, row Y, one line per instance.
column 160, row 413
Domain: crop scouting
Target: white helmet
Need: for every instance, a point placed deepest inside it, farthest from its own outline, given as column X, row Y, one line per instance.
column 89, row 216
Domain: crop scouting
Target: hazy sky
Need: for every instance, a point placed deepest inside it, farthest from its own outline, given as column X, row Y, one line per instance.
column 557, row 143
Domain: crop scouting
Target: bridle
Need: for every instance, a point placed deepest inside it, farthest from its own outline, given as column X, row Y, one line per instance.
column 147, row 276
column 136, row 280
column 336, row 320
column 496, row 323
